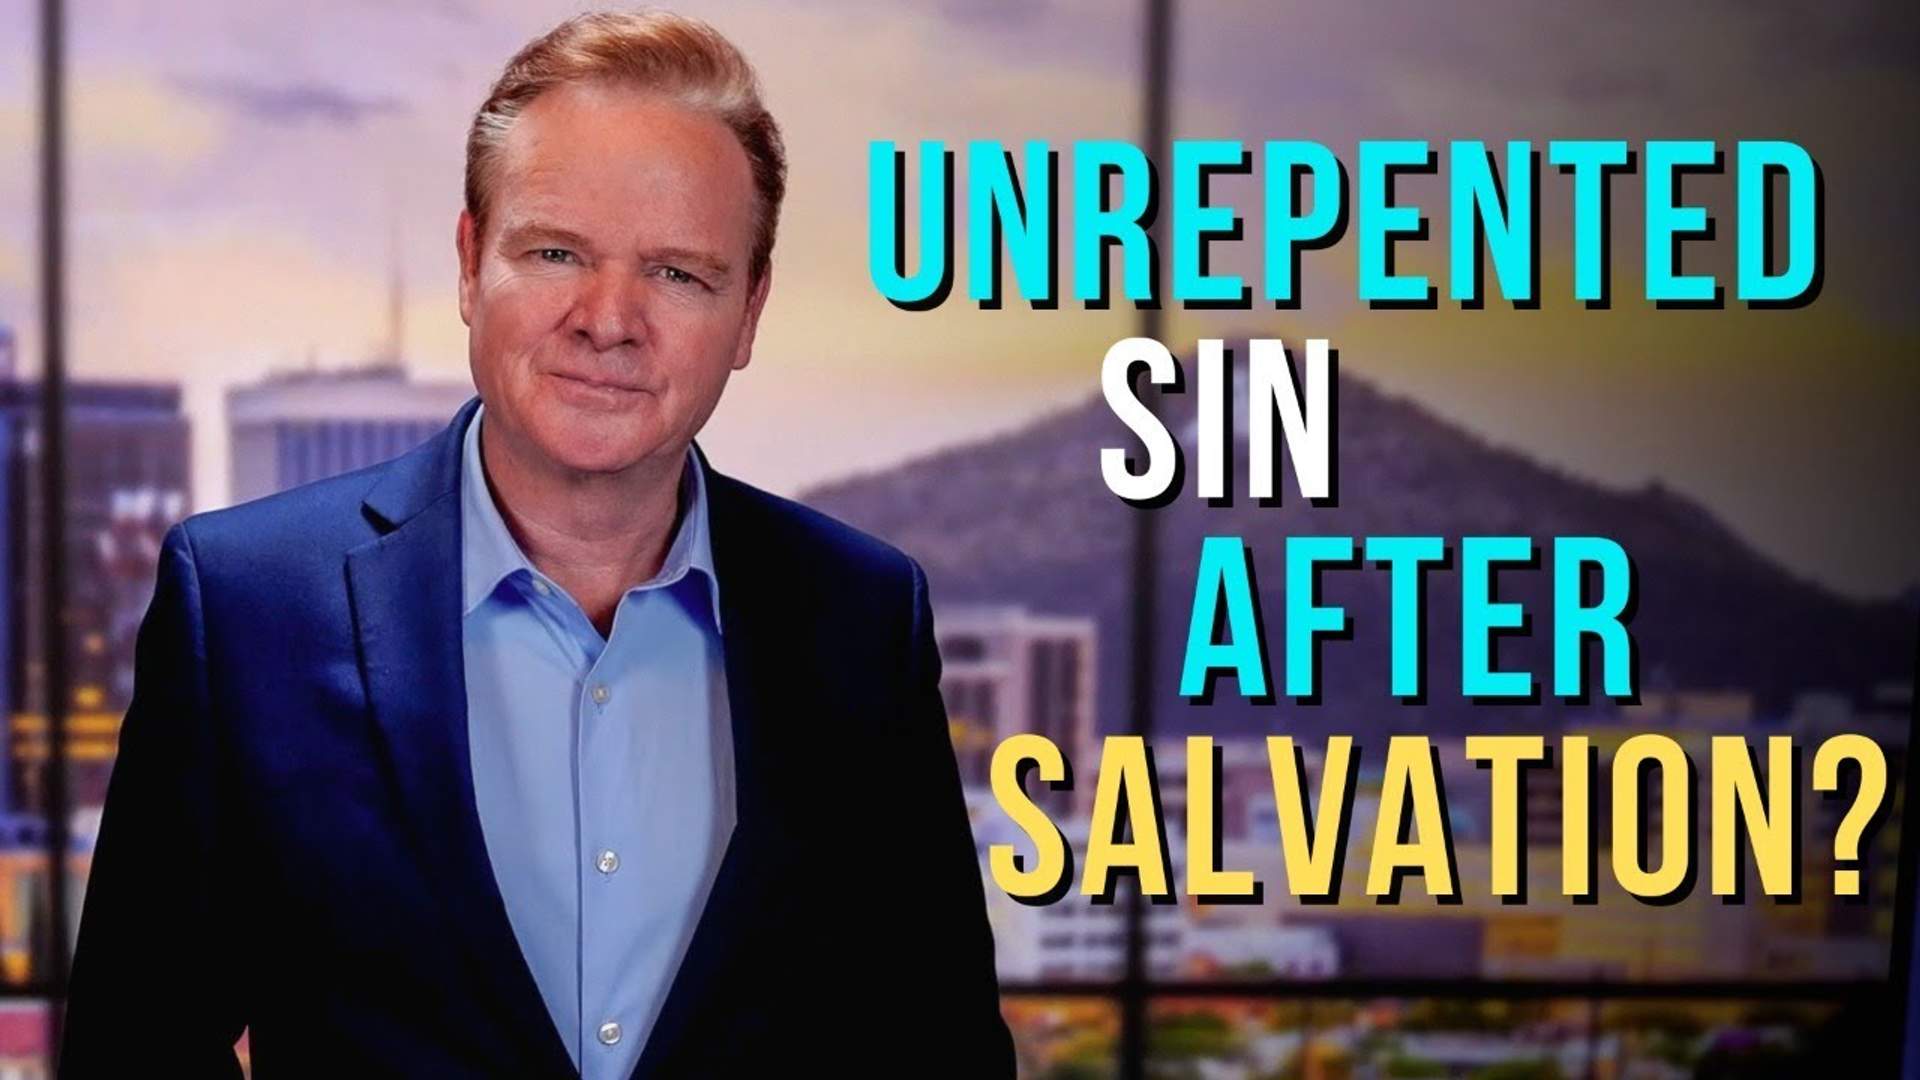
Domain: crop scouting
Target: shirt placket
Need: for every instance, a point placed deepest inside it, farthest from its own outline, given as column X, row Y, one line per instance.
column 606, row 846
column 596, row 854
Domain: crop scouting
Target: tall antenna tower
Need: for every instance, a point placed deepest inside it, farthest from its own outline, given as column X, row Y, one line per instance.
column 396, row 298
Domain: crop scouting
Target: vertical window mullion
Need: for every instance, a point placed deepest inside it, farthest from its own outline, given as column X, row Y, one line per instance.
column 1157, row 51
column 55, row 693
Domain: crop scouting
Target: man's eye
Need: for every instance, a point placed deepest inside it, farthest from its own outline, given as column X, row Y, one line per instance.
column 678, row 276
column 554, row 255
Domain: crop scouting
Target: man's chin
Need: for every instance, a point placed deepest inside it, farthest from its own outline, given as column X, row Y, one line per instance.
column 595, row 440
column 578, row 452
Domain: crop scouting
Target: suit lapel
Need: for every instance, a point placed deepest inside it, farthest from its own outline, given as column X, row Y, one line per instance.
column 405, row 588
column 751, row 869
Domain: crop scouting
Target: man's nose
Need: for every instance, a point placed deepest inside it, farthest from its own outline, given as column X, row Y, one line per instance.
column 608, row 311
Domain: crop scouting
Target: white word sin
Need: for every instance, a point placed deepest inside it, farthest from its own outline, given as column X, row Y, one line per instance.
column 1306, row 419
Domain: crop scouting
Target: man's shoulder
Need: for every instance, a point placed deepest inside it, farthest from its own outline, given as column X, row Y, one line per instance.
column 794, row 535
column 320, row 520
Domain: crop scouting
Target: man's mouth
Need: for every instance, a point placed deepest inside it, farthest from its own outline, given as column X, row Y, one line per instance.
column 596, row 382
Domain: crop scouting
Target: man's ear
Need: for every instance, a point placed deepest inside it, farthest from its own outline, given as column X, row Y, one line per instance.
column 756, row 302
column 466, row 243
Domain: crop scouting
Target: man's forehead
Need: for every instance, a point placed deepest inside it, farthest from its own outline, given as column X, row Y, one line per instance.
column 588, row 150
column 597, row 126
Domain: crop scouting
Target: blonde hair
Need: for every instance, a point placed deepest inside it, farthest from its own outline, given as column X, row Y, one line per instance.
column 684, row 59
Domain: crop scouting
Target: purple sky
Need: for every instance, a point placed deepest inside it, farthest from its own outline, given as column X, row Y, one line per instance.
column 241, row 170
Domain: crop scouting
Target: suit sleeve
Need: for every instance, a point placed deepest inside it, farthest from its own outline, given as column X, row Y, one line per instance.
column 955, row 977
column 154, row 988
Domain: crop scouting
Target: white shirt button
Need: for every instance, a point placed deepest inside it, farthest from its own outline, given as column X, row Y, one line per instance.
column 601, row 693
column 541, row 587
column 609, row 1033
column 608, row 862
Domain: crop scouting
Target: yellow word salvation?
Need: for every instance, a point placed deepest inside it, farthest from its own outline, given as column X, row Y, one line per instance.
column 1655, row 789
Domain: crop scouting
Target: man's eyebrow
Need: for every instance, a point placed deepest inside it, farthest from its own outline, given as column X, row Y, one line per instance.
column 712, row 264
column 531, row 232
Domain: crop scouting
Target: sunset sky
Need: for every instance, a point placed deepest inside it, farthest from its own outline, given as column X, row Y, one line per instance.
column 241, row 170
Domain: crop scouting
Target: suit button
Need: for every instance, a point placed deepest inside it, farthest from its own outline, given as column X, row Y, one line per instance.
column 609, row 1033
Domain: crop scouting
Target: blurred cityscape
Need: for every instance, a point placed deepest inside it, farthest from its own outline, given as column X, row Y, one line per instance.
column 1011, row 668
column 1026, row 558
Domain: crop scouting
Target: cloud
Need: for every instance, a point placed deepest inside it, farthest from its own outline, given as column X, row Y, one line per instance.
column 996, row 14
column 13, row 265
column 162, row 299
column 456, row 11
column 120, row 115
column 290, row 103
column 129, row 136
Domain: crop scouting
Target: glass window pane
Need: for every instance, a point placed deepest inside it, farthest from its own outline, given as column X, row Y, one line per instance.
column 1660, row 429
column 27, row 957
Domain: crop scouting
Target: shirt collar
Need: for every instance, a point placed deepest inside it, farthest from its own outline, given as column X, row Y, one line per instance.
column 489, row 554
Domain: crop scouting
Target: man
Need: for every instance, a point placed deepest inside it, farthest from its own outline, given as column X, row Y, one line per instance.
column 547, row 750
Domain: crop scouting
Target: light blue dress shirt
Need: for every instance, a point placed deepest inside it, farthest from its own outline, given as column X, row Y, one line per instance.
column 603, row 768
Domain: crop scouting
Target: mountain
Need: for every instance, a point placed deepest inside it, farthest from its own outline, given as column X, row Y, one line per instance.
column 1024, row 518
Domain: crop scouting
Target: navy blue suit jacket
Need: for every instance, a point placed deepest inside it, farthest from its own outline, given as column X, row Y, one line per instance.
column 290, row 843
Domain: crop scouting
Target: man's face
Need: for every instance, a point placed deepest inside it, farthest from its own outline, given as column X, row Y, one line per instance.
column 607, row 299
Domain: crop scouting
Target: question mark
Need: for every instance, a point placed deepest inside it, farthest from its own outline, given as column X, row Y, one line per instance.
column 1873, row 788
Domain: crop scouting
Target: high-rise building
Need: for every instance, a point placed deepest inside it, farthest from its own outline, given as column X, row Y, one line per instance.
column 1004, row 671
column 126, row 483
column 296, row 427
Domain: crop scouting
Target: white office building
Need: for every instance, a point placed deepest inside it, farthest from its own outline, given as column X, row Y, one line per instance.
column 296, row 427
